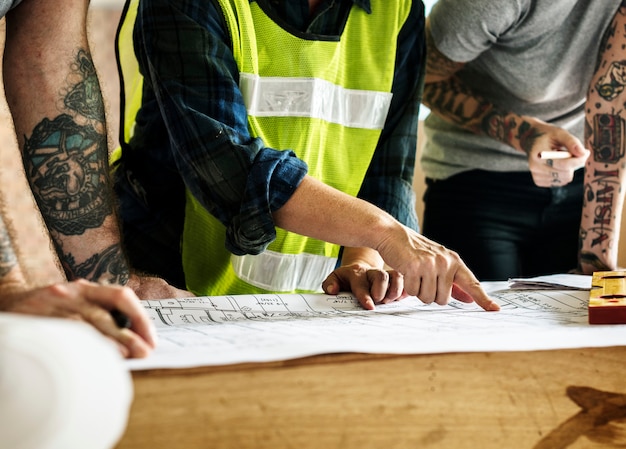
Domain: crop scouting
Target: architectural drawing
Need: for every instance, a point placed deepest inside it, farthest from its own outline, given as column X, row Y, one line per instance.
column 256, row 328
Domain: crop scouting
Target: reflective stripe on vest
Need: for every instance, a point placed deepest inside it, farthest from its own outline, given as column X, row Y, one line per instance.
column 314, row 98
column 280, row 272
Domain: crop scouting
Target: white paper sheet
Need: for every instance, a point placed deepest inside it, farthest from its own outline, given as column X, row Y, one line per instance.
column 554, row 281
column 257, row 328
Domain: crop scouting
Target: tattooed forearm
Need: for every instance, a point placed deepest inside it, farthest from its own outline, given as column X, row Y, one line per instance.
column 447, row 96
column 454, row 102
column 66, row 158
column 451, row 100
column 66, row 161
column 67, row 174
column 8, row 260
column 602, row 187
column 108, row 266
column 605, row 127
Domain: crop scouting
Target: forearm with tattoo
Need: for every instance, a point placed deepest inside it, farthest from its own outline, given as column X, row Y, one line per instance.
column 605, row 175
column 66, row 161
column 452, row 100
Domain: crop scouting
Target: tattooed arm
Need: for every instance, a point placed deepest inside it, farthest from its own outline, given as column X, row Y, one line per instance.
column 54, row 95
column 447, row 96
column 605, row 173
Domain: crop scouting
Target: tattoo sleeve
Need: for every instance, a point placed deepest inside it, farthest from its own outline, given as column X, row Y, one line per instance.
column 605, row 127
column 65, row 158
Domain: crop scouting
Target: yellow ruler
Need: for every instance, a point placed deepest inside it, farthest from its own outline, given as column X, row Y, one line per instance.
column 607, row 298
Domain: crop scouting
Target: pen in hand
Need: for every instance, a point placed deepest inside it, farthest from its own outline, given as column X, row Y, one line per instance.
column 558, row 154
column 121, row 320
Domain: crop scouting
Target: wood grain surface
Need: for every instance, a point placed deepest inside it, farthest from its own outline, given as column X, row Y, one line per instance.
column 527, row 400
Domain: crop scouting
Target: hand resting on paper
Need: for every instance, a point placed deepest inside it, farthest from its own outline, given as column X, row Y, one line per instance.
column 370, row 285
column 363, row 274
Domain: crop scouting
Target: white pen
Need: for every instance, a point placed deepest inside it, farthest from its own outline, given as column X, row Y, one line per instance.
column 559, row 154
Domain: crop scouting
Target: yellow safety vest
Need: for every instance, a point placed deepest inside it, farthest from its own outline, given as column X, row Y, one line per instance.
column 326, row 100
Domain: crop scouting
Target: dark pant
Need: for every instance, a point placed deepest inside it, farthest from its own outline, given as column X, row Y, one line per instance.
column 151, row 237
column 503, row 225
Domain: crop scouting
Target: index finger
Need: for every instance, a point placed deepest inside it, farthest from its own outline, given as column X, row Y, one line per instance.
column 566, row 157
column 467, row 288
column 573, row 163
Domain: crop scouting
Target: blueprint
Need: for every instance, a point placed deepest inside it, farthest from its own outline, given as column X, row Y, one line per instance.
column 221, row 330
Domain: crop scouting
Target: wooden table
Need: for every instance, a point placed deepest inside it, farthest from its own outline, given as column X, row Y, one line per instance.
column 505, row 400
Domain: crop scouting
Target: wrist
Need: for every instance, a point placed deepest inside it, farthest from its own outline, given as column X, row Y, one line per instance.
column 526, row 132
column 378, row 230
column 361, row 256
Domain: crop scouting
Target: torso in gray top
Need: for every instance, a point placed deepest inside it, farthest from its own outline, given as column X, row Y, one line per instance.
column 531, row 57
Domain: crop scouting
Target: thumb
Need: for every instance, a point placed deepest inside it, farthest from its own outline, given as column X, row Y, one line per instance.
column 331, row 284
column 573, row 145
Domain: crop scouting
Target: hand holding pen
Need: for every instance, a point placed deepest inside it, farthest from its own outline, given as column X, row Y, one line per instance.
column 554, row 154
column 114, row 310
